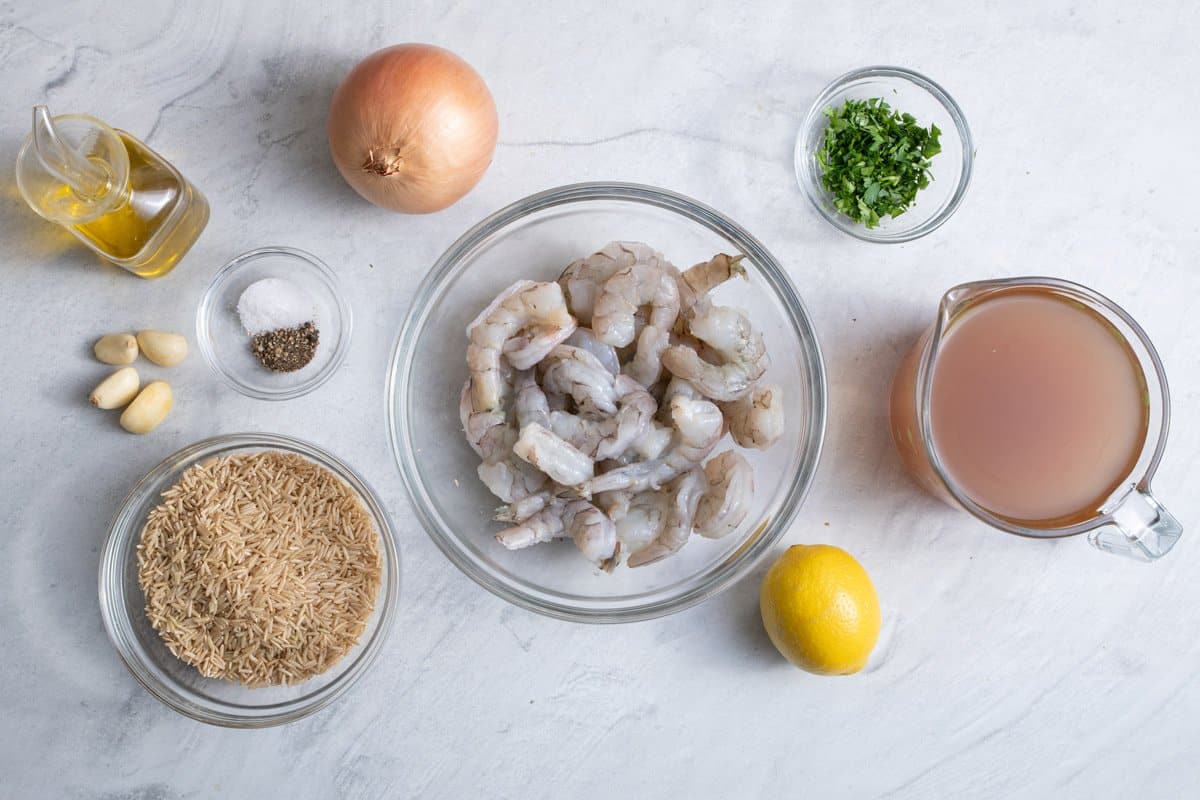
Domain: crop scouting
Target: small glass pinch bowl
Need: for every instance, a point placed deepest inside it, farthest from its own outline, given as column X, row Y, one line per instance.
column 535, row 239
column 908, row 92
column 179, row 685
column 226, row 346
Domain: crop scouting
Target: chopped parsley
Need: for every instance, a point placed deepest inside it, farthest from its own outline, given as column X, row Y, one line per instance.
column 875, row 159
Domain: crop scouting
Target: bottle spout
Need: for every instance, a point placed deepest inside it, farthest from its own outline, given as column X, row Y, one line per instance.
column 87, row 179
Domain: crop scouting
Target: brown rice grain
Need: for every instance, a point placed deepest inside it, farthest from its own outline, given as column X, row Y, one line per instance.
column 259, row 568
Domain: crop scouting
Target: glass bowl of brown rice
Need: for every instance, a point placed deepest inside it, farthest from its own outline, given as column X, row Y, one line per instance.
column 249, row 580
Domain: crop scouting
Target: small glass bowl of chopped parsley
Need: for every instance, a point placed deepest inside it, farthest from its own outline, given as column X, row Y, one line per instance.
column 884, row 154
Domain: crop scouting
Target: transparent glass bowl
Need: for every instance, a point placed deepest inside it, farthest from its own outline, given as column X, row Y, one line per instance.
column 180, row 686
column 225, row 345
column 905, row 91
column 535, row 238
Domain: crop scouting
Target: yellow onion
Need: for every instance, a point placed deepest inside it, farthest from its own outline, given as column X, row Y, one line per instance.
column 412, row 128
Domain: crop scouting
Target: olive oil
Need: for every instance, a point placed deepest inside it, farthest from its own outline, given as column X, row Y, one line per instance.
column 116, row 194
column 159, row 219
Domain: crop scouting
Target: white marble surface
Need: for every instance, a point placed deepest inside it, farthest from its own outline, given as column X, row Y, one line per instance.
column 1014, row 668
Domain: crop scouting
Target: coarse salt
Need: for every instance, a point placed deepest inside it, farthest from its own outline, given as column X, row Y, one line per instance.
column 273, row 303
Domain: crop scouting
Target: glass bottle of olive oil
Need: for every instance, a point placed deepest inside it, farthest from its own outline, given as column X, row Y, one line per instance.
column 119, row 197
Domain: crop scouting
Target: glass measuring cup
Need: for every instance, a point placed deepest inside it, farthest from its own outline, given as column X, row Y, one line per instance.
column 1128, row 521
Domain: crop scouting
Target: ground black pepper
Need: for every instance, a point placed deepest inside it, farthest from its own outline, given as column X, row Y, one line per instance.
column 286, row 349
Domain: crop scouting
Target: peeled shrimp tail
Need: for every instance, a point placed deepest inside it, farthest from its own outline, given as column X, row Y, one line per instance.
column 726, row 503
column 757, row 419
column 523, row 508
column 686, row 492
column 697, row 281
column 541, row 527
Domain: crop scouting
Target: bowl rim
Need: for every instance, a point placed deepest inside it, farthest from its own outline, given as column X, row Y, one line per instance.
column 740, row 561
column 206, row 307
column 121, row 529
column 808, row 180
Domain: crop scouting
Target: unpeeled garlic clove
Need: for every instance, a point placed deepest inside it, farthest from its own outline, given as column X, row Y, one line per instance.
column 148, row 409
column 162, row 348
column 116, row 348
column 117, row 389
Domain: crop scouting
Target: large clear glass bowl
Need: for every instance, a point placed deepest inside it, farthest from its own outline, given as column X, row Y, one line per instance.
column 179, row 685
column 535, row 238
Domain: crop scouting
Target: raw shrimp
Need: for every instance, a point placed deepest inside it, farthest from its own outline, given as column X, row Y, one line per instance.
column 583, row 433
column 594, row 533
column 492, row 437
column 676, row 387
column 550, row 454
column 653, row 441
column 488, row 432
column 644, row 283
column 524, row 508
column 756, row 420
column 685, row 492
column 642, row 521
column 635, row 414
column 697, row 281
column 698, row 427
column 511, row 479
column 531, row 406
column 576, row 372
column 608, row 437
column 730, row 334
column 595, row 401
column 606, row 354
column 539, row 310
column 727, row 502
column 582, row 279
column 614, row 503
column 543, row 526
column 679, row 387
column 646, row 365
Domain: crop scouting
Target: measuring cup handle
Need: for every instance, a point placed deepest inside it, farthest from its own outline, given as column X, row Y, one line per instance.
column 1140, row 529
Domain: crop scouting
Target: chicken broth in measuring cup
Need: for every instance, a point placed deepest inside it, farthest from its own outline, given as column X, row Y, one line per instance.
column 1038, row 407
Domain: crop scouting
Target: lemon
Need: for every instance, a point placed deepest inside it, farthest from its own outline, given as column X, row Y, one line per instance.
column 820, row 609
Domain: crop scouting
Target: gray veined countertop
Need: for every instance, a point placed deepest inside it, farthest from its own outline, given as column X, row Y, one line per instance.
column 1013, row 668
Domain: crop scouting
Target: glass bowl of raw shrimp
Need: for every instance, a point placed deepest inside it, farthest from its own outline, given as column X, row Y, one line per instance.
column 535, row 239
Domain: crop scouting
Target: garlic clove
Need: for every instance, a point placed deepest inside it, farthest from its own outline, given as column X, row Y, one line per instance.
column 162, row 348
column 148, row 409
column 116, row 348
column 117, row 389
